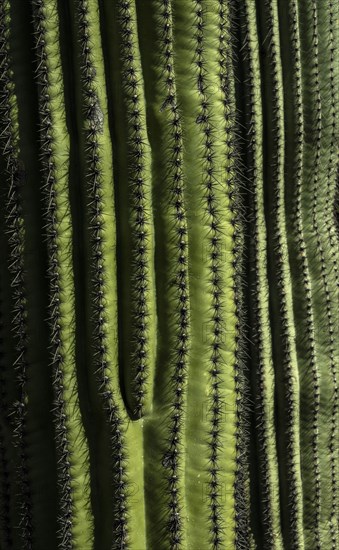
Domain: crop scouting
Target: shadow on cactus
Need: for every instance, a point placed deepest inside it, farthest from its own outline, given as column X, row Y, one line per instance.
column 169, row 280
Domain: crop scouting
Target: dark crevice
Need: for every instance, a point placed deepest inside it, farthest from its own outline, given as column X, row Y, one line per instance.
column 89, row 401
column 42, row 460
column 245, row 167
column 118, row 124
column 8, row 390
column 285, row 408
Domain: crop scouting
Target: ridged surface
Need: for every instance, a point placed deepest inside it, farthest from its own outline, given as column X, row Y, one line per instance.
column 74, row 513
column 301, row 282
column 169, row 279
column 15, row 229
column 262, row 378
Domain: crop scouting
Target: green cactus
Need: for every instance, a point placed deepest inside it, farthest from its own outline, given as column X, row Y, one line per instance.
column 169, row 285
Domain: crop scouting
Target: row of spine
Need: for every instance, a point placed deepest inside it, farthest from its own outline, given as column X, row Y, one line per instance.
column 193, row 371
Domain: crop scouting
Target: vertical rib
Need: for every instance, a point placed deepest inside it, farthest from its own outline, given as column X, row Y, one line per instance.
column 321, row 243
column 173, row 458
column 74, row 518
column 138, row 365
column 214, row 412
column 166, row 510
column 243, row 534
column 301, row 280
column 220, row 327
column 266, row 518
column 282, row 320
column 328, row 26
column 98, row 175
column 16, row 240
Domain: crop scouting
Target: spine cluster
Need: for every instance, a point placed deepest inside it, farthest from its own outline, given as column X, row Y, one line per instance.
column 93, row 118
column 15, row 228
column 172, row 459
column 199, row 269
column 52, row 234
column 140, row 214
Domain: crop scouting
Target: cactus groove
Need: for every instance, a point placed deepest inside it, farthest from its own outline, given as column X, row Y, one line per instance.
column 169, row 279
column 15, row 230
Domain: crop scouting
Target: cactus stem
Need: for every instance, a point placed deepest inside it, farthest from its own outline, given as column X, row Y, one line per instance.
column 284, row 351
column 306, row 347
column 94, row 129
column 333, row 159
column 324, row 272
column 169, row 231
column 217, row 320
column 241, row 482
column 15, row 175
column 140, row 213
column 263, row 380
column 71, row 441
column 64, row 470
column 5, row 483
column 172, row 458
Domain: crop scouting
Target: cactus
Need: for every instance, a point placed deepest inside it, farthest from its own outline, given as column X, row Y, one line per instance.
column 169, row 285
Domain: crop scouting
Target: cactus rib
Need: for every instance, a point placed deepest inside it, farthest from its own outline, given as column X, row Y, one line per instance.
column 138, row 169
column 316, row 198
column 71, row 443
column 326, row 20
column 226, row 76
column 16, row 244
column 94, row 130
column 169, row 285
column 258, row 310
column 218, row 365
column 304, row 314
column 173, row 456
column 284, row 351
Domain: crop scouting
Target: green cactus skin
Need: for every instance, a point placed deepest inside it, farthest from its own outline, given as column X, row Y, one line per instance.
column 329, row 252
column 16, row 240
column 124, row 437
column 301, row 283
column 169, row 284
column 259, row 333
column 283, row 331
column 319, row 120
column 218, row 237
column 40, row 409
column 75, row 523
column 141, row 247
column 243, row 535
column 328, row 21
column 98, row 171
column 164, row 119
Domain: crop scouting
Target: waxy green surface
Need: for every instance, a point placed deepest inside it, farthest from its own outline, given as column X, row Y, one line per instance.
column 179, row 366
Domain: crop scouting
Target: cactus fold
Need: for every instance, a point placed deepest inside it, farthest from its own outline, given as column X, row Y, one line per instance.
column 169, row 286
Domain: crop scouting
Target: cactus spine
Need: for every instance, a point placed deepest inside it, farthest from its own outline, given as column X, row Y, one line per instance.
column 169, row 286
